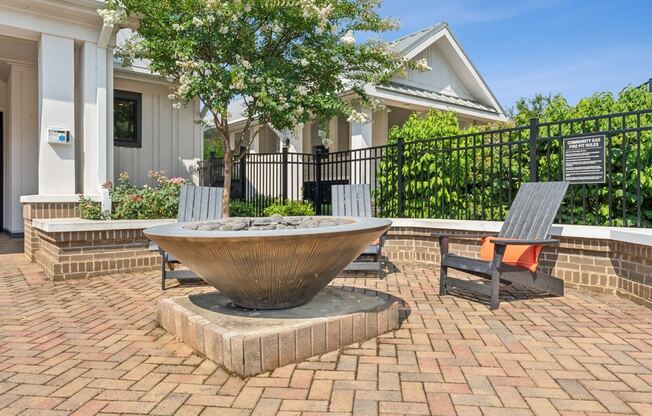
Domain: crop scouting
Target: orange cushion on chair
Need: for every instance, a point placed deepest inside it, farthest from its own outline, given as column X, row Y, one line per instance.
column 521, row 256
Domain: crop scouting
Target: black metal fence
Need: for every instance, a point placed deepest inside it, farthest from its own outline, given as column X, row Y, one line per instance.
column 473, row 176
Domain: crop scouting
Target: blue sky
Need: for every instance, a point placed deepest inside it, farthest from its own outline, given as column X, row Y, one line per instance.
column 521, row 47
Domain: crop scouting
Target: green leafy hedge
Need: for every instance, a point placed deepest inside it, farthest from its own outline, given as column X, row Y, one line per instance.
column 289, row 208
column 474, row 174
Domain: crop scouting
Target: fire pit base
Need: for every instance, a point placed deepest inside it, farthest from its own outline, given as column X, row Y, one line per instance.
column 249, row 342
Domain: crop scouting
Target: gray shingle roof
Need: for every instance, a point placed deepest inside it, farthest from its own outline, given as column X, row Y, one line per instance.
column 435, row 96
column 408, row 42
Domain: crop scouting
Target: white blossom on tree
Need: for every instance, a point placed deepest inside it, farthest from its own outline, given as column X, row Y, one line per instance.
column 422, row 65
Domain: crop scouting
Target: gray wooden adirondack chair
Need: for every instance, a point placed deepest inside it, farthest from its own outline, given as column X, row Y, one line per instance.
column 528, row 222
column 355, row 201
column 196, row 203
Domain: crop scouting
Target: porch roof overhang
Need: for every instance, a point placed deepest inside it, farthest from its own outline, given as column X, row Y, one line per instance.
column 138, row 73
column 423, row 99
column 402, row 96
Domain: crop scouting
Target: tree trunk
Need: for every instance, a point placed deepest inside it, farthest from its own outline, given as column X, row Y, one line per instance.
column 228, row 172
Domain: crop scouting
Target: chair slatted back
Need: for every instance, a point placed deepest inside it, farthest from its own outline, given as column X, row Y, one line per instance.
column 533, row 210
column 200, row 203
column 351, row 200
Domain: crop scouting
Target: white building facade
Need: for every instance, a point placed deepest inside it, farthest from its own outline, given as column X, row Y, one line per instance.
column 73, row 118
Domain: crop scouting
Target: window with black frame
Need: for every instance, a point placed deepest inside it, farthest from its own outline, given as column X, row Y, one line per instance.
column 127, row 118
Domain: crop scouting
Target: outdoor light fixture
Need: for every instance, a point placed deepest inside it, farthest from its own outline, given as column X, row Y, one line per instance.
column 286, row 139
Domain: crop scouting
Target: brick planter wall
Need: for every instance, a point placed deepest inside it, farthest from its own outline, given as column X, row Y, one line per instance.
column 607, row 265
column 43, row 210
column 601, row 265
column 70, row 255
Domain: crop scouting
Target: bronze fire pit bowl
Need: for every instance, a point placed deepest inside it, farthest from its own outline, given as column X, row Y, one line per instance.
column 269, row 269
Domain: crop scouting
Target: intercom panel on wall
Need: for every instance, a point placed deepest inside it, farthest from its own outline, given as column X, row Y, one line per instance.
column 59, row 135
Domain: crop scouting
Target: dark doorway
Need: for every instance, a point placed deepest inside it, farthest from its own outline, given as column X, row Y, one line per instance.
column 2, row 164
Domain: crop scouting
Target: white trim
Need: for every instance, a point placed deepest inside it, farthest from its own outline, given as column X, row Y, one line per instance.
column 626, row 235
column 20, row 64
column 36, row 199
column 29, row 19
column 67, row 225
column 106, row 34
column 426, row 43
column 72, row 10
column 474, row 72
column 633, row 236
column 137, row 74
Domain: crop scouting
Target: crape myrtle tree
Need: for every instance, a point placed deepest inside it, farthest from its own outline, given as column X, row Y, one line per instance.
column 285, row 59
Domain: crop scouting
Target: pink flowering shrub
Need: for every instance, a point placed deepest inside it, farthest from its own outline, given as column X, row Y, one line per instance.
column 147, row 202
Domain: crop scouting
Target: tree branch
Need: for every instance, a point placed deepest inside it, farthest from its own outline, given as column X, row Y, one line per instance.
column 251, row 139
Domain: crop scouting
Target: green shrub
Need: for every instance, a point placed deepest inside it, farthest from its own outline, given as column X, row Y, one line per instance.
column 290, row 208
column 240, row 208
column 427, row 175
column 133, row 203
column 89, row 209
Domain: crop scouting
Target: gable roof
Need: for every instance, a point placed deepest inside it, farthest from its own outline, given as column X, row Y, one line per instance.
column 413, row 44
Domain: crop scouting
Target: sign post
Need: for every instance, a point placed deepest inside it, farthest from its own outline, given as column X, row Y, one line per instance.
column 584, row 159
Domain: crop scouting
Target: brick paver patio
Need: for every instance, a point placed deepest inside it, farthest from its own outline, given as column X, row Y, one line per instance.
column 93, row 347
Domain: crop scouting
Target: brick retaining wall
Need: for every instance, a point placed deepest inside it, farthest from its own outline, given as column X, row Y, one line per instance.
column 69, row 255
column 43, row 210
column 601, row 265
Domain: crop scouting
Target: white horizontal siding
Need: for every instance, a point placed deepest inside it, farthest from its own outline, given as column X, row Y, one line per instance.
column 171, row 139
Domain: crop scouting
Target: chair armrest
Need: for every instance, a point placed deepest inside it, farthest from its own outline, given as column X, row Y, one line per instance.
column 511, row 242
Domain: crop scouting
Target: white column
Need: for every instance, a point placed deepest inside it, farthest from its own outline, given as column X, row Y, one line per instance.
column 109, row 115
column 361, row 138
column 334, row 134
column 306, row 139
column 361, row 134
column 94, row 118
column 296, row 139
column 295, row 169
column 20, row 143
column 56, row 98
column 380, row 127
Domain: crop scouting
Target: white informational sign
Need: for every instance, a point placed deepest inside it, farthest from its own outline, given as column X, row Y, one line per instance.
column 57, row 135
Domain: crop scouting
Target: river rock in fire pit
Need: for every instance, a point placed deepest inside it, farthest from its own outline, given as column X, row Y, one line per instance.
column 275, row 222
